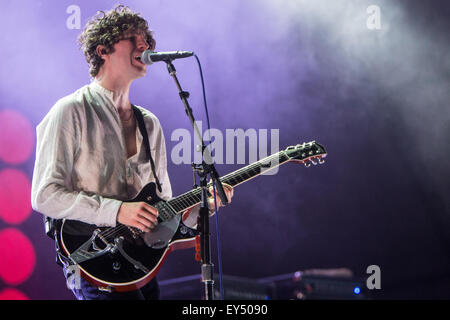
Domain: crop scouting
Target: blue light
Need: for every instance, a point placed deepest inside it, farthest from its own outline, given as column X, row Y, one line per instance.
column 356, row 290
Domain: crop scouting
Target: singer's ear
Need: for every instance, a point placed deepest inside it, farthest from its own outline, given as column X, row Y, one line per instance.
column 101, row 51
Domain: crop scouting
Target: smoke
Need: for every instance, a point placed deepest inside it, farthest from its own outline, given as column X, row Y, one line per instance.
column 404, row 66
column 312, row 69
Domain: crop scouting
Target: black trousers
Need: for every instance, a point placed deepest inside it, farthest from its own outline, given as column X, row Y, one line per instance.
column 84, row 290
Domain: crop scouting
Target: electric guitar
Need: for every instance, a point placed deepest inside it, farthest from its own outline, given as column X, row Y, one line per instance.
column 123, row 258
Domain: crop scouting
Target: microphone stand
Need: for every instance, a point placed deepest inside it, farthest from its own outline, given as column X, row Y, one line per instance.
column 203, row 169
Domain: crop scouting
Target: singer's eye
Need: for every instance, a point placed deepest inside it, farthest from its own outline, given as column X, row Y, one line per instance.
column 130, row 38
column 138, row 40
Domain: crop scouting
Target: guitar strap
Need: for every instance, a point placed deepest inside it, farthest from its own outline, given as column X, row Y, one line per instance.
column 52, row 226
column 143, row 130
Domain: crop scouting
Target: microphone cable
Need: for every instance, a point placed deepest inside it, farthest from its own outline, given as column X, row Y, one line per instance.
column 219, row 254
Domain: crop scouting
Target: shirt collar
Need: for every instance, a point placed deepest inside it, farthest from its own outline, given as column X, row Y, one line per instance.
column 99, row 89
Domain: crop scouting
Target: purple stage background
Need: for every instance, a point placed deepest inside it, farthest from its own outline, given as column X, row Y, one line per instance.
column 378, row 100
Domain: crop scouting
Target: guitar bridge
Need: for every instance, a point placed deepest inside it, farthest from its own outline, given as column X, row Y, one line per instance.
column 83, row 253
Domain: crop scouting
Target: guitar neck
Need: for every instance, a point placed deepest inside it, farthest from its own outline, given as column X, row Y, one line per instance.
column 193, row 197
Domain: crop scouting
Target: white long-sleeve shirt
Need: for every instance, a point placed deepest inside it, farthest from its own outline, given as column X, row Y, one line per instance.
column 81, row 170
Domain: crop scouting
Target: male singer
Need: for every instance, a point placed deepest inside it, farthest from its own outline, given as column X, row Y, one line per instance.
column 90, row 155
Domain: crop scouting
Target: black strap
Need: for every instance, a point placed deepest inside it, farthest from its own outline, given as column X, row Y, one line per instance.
column 143, row 130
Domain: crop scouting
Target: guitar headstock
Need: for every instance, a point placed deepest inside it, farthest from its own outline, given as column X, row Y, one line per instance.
column 306, row 153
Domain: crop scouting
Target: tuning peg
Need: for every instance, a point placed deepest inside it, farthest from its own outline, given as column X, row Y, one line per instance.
column 321, row 160
column 307, row 164
column 312, row 161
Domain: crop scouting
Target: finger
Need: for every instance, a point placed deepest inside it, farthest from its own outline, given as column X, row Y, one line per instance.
column 227, row 186
column 229, row 190
column 147, row 216
column 211, row 202
column 141, row 226
column 151, row 209
column 231, row 193
column 144, row 221
column 148, row 209
column 228, row 194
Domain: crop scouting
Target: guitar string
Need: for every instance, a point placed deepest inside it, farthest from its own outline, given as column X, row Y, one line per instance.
column 234, row 175
column 114, row 231
column 238, row 174
column 185, row 197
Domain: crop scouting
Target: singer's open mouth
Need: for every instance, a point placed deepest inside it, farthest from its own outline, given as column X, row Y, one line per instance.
column 138, row 58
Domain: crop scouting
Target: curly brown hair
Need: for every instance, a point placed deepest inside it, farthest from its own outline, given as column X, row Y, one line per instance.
column 109, row 28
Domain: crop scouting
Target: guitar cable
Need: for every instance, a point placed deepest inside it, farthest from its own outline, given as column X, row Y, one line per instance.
column 219, row 254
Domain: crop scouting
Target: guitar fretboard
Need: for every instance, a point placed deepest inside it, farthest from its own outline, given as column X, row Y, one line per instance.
column 191, row 198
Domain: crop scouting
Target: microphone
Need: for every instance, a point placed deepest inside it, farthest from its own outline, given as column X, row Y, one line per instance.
column 149, row 57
